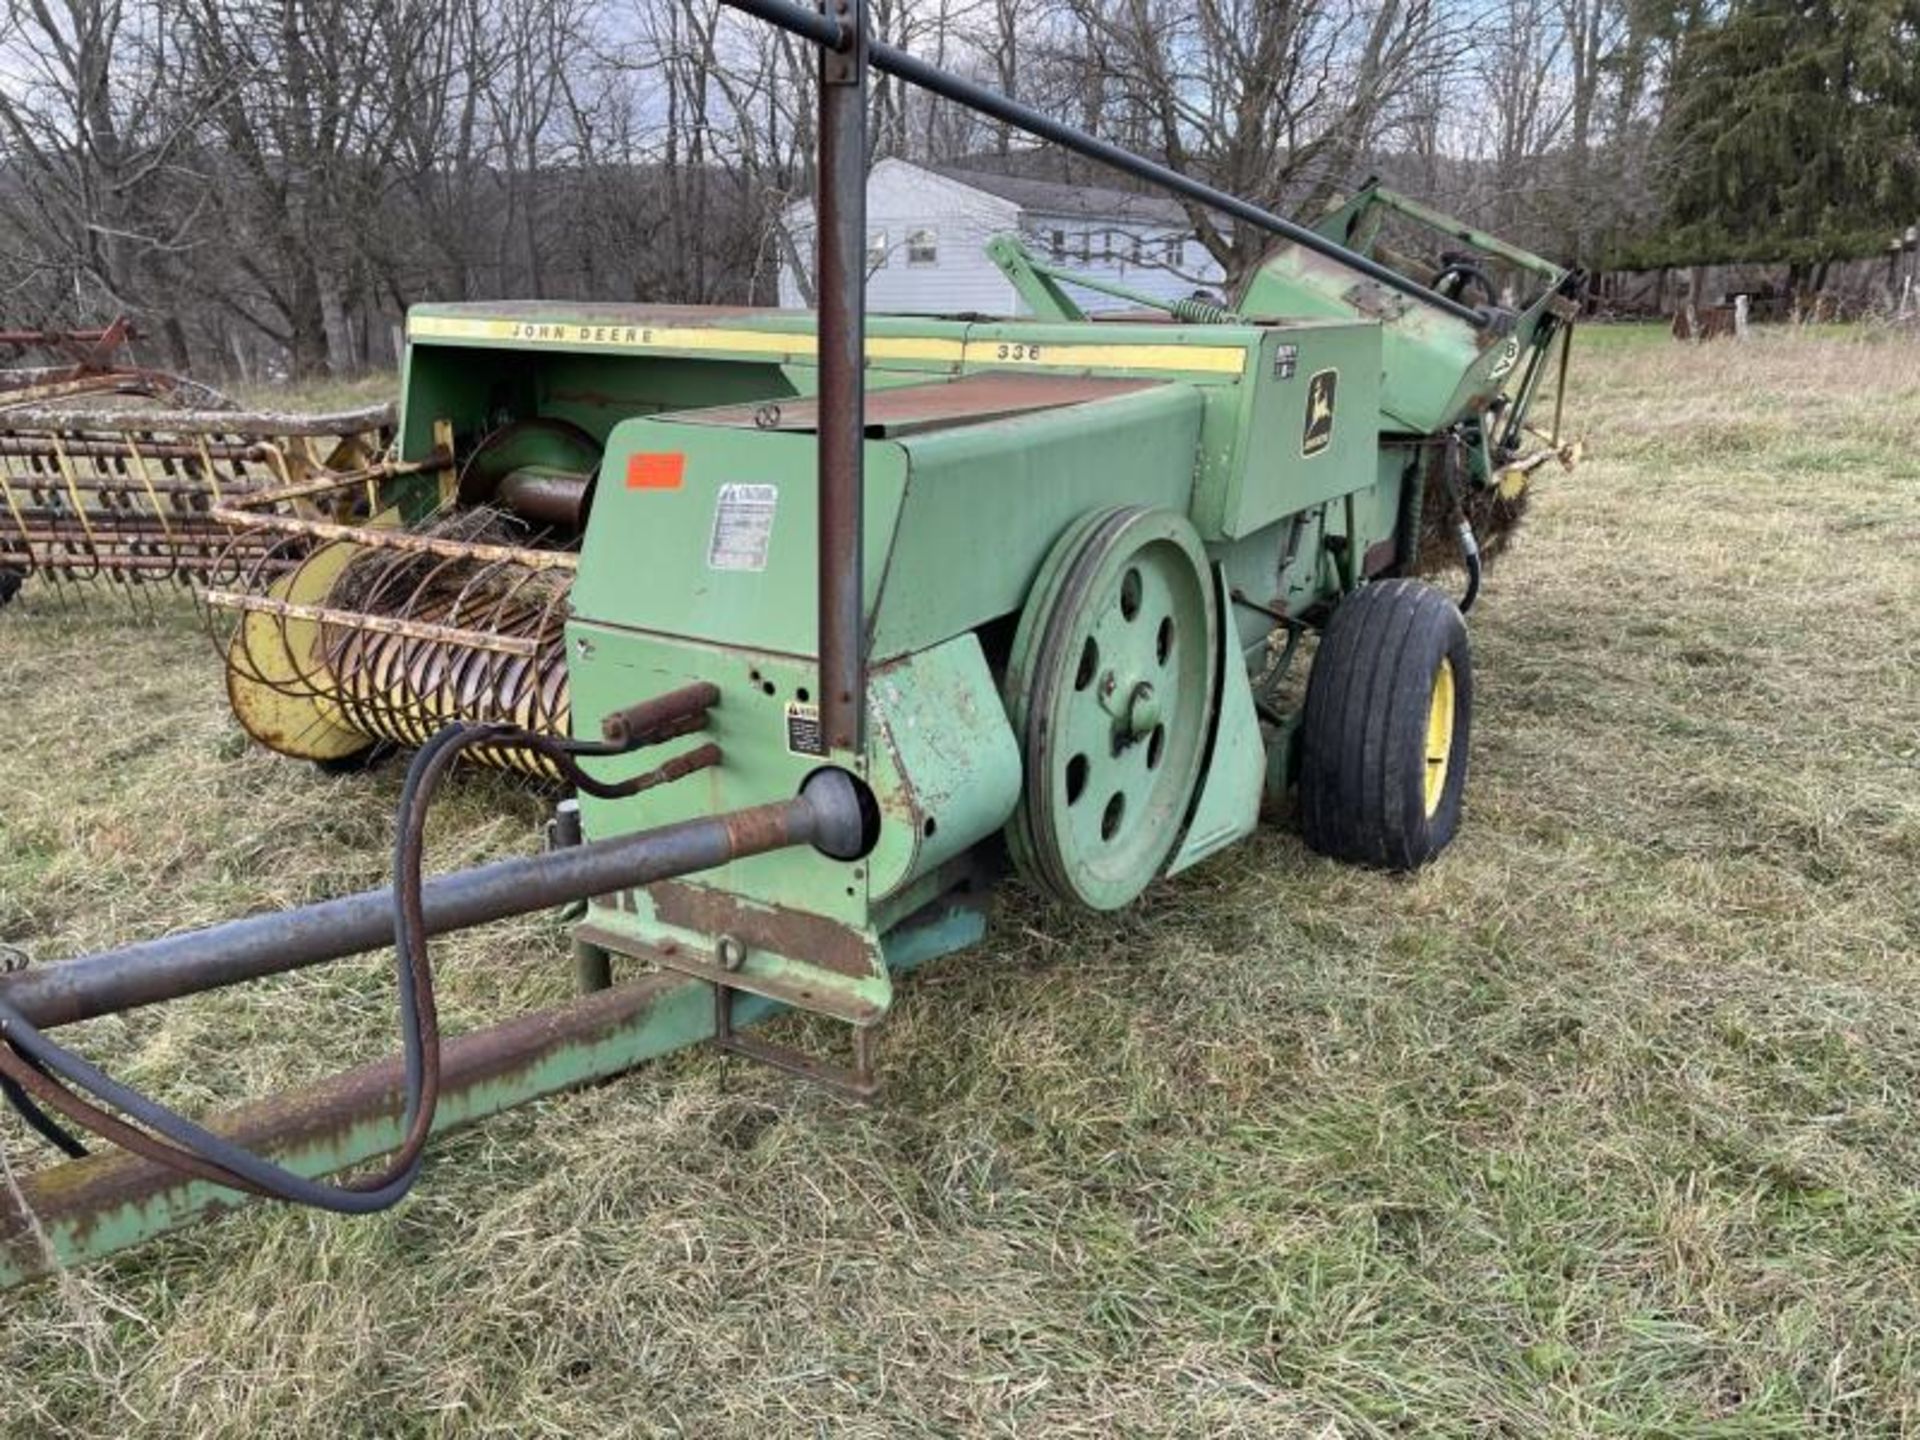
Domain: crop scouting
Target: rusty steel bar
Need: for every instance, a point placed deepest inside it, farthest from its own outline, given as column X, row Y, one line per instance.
column 95, row 449
column 125, row 527
column 345, row 479
column 841, row 266
column 377, row 539
column 826, row 813
column 233, row 423
column 380, row 624
column 82, row 563
column 92, row 1207
column 641, row 724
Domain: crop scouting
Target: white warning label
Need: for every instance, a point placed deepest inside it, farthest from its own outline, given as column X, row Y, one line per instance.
column 804, row 735
column 742, row 527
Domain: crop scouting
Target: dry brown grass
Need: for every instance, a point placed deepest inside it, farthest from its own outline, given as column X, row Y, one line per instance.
column 1607, row 1122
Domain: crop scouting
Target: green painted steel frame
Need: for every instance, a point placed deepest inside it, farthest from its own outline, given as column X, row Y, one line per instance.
column 83, row 1210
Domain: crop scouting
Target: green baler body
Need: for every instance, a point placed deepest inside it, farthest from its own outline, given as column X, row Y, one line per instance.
column 985, row 442
column 1437, row 368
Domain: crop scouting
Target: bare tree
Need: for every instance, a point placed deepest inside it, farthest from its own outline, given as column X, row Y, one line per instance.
column 1275, row 102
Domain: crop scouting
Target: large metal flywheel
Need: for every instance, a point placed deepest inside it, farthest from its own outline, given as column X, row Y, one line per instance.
column 1110, row 689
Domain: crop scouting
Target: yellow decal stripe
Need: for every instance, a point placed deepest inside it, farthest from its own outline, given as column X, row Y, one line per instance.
column 1201, row 359
column 666, row 337
column 1045, row 354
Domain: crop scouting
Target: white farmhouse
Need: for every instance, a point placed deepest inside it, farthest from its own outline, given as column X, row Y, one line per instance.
column 928, row 228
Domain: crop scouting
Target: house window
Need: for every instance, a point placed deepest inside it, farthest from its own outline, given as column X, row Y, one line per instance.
column 877, row 250
column 1139, row 250
column 1106, row 247
column 923, row 246
column 1083, row 245
column 1176, row 251
column 1059, row 244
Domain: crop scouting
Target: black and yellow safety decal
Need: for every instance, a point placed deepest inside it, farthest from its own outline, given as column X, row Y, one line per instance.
column 1319, row 432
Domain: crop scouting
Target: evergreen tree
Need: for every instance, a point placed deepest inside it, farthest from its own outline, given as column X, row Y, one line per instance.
column 1792, row 131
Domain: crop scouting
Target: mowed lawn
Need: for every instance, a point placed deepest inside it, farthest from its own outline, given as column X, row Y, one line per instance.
column 1607, row 1123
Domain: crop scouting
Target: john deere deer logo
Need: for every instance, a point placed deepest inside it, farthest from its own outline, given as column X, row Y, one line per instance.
column 1319, row 432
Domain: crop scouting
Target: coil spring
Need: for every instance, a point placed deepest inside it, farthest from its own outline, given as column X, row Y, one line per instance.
column 1200, row 312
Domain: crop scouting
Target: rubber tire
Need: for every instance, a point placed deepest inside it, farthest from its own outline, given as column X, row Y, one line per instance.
column 1363, row 733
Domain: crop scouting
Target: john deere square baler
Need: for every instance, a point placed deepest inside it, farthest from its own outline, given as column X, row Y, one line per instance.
column 828, row 624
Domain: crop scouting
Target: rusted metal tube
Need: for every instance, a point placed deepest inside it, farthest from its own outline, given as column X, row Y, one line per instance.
column 548, row 497
column 842, row 282
column 111, row 526
column 230, row 423
column 640, row 724
column 825, row 814
column 33, row 447
column 106, row 1202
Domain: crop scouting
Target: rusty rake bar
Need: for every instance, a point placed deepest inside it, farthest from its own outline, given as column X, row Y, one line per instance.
column 376, row 624
column 375, row 538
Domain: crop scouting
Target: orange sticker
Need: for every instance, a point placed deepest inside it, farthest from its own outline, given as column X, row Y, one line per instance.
column 660, row 471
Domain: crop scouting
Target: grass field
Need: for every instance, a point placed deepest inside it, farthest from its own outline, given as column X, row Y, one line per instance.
column 1607, row 1123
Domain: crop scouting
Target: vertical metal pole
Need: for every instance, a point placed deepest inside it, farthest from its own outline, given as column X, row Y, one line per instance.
column 592, row 966
column 841, row 211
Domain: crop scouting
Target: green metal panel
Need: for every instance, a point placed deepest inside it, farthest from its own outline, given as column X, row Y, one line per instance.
column 477, row 391
column 1424, row 352
column 803, row 916
column 1229, row 803
column 1271, row 469
column 710, row 558
column 610, row 669
column 985, row 502
column 1008, row 487
column 941, row 759
column 945, row 765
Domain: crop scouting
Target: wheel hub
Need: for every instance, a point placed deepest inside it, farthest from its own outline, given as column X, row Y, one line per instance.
column 1111, row 689
column 1439, row 752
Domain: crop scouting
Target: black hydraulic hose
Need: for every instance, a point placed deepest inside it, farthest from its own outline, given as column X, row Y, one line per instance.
column 418, row 1027
column 1463, row 531
column 42, row 1124
column 210, row 1156
column 1470, row 557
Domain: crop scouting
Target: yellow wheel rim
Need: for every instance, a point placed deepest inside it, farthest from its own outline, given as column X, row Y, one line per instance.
column 1439, row 734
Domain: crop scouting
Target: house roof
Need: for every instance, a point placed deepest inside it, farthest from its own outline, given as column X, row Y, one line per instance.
column 1049, row 197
